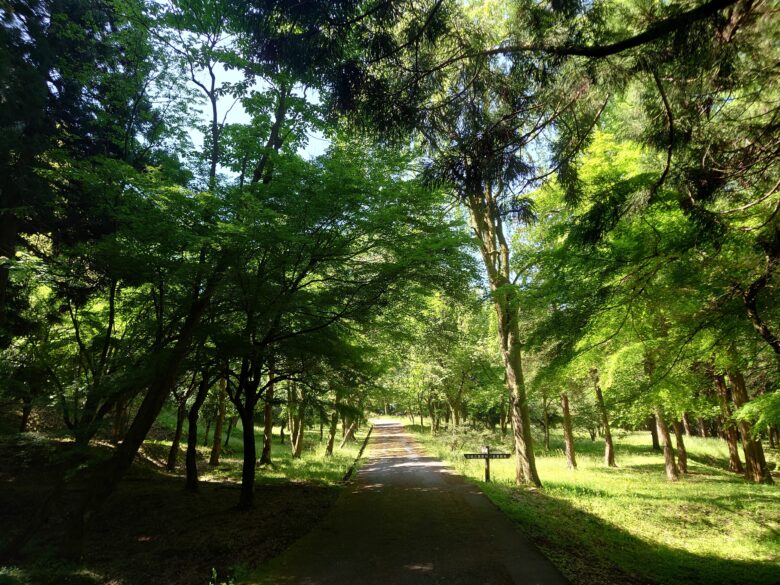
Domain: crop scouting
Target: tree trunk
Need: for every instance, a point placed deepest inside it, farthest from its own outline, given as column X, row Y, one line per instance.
column 216, row 448
column 247, row 497
column 687, row 424
column 118, row 426
column 455, row 415
column 173, row 454
column 651, row 424
column 756, row 469
column 702, row 427
column 729, row 432
column 281, row 431
column 349, row 436
column 104, row 478
column 487, row 223
column 502, row 419
column 568, row 435
column 26, row 412
column 268, row 422
column 682, row 453
column 231, row 425
column 192, row 434
column 334, row 423
column 609, row 449
column 206, row 436
column 546, row 426
column 672, row 473
column 298, row 438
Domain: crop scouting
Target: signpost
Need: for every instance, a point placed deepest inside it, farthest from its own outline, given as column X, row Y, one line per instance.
column 487, row 456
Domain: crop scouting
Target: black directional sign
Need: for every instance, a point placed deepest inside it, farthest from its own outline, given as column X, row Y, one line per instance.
column 487, row 456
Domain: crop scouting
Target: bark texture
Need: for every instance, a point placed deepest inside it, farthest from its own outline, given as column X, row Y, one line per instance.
column 756, row 469
column 268, row 423
column 568, row 435
column 672, row 472
column 192, row 433
column 682, row 453
column 334, row 423
column 609, row 448
column 729, row 430
column 487, row 223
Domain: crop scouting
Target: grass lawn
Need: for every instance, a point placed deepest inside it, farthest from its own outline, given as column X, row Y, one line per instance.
column 151, row 531
column 631, row 525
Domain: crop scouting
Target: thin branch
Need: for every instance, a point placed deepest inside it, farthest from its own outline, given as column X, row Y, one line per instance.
column 670, row 147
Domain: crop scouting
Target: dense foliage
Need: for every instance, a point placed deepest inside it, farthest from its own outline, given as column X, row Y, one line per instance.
column 527, row 215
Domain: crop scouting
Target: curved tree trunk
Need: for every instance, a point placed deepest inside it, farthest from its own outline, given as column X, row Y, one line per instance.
column 729, row 432
column 568, row 435
column 173, row 453
column 609, row 449
column 192, row 434
column 231, row 425
column 349, row 435
column 672, row 473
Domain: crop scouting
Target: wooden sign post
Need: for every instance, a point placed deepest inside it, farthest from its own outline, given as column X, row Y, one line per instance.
column 487, row 456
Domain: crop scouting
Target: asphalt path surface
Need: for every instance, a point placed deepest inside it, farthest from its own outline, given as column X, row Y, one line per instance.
column 408, row 519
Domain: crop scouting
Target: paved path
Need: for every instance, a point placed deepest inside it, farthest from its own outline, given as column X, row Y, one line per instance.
column 408, row 519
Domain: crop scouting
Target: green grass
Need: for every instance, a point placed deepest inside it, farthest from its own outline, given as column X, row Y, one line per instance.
column 602, row 525
column 313, row 466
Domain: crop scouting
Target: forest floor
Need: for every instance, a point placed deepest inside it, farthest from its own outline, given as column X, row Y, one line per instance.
column 629, row 524
column 153, row 531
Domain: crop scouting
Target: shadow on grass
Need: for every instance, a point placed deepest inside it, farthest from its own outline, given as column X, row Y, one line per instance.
column 589, row 550
column 153, row 531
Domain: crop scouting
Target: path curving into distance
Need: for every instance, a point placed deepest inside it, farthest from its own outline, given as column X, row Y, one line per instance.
column 408, row 519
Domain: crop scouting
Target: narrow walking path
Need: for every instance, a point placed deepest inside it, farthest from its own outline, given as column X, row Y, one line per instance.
column 409, row 519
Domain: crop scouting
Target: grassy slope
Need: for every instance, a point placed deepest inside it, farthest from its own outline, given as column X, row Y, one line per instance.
column 630, row 524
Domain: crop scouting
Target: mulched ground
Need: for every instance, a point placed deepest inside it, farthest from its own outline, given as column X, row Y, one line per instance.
column 152, row 531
